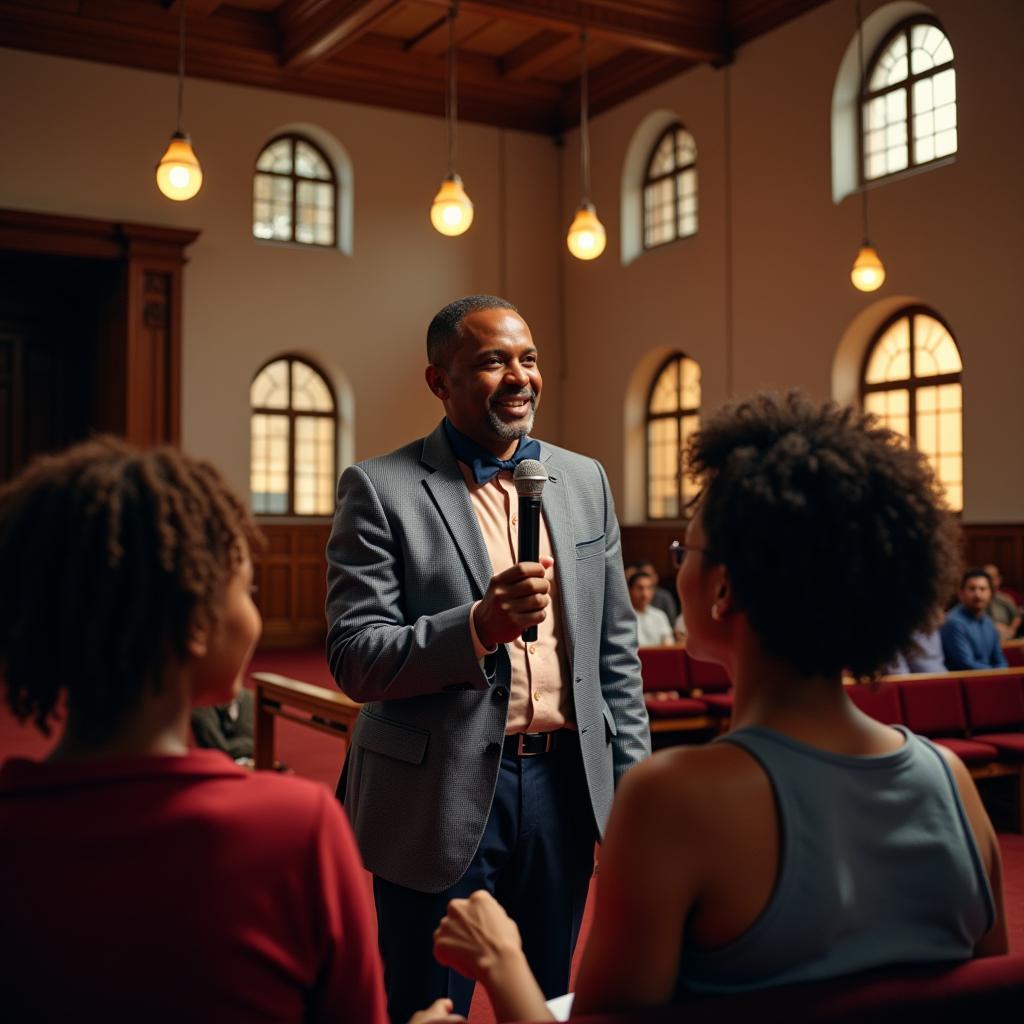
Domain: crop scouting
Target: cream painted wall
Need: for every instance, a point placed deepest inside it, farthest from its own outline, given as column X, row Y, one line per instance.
column 950, row 237
column 760, row 296
column 83, row 139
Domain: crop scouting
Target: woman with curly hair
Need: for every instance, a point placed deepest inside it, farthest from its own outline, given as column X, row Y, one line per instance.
column 810, row 841
column 140, row 879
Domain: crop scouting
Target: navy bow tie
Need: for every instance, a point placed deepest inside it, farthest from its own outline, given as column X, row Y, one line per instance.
column 486, row 466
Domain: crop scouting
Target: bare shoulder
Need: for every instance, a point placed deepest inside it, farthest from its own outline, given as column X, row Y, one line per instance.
column 956, row 766
column 978, row 817
column 695, row 778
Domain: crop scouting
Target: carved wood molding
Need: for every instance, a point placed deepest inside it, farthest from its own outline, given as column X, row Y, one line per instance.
column 142, row 343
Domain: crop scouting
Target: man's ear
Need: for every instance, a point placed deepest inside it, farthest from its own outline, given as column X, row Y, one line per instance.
column 437, row 381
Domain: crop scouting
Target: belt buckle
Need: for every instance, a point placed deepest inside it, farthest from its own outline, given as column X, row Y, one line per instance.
column 549, row 742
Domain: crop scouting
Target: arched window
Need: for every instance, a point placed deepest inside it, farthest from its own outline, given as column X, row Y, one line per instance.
column 670, row 188
column 911, row 381
column 673, row 414
column 908, row 100
column 294, row 440
column 295, row 193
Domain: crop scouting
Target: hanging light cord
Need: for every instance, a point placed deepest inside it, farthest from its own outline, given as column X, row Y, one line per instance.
column 584, row 114
column 451, row 99
column 862, row 88
column 181, row 61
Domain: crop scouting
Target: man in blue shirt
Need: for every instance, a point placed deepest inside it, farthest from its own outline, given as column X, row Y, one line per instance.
column 969, row 637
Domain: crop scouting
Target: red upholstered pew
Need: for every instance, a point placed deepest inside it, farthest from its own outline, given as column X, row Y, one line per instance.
column 978, row 714
column 988, row 989
column 681, row 693
column 1014, row 651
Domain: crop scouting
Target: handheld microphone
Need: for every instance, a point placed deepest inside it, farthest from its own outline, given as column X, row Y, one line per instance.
column 530, row 476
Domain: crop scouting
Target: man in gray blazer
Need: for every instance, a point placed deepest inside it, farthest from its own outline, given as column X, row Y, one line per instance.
column 479, row 760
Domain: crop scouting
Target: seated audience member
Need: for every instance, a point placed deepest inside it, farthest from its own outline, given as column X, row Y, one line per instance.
column 969, row 637
column 229, row 727
column 888, row 857
column 679, row 628
column 1003, row 609
column 923, row 653
column 653, row 627
column 139, row 879
column 663, row 599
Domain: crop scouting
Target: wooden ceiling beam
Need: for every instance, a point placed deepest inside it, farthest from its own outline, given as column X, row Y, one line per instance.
column 434, row 38
column 384, row 57
column 749, row 19
column 423, row 39
column 313, row 30
column 671, row 33
column 195, row 8
column 538, row 52
column 615, row 80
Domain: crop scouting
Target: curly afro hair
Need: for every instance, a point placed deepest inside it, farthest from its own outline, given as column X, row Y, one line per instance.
column 108, row 556
column 835, row 534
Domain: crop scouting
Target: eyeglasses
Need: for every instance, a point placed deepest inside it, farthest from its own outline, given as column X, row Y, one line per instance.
column 678, row 548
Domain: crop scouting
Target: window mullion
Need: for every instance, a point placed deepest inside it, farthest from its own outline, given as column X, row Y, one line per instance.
column 295, row 204
column 291, row 443
column 913, row 383
column 911, row 146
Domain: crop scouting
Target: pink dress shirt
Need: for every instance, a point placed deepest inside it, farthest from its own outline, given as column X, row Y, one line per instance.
column 539, row 700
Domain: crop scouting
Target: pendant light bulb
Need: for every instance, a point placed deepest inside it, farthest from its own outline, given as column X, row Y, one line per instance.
column 178, row 175
column 452, row 210
column 586, row 238
column 867, row 273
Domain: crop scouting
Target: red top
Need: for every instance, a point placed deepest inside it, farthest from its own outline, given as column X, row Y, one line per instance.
column 181, row 888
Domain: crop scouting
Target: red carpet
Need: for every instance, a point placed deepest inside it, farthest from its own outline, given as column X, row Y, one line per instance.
column 316, row 755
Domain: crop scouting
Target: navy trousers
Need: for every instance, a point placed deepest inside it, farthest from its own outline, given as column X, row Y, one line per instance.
column 536, row 856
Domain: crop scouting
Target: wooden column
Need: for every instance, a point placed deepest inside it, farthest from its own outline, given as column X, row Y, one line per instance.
column 140, row 384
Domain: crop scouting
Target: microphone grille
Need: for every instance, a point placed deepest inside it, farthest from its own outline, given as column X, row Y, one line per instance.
column 530, row 476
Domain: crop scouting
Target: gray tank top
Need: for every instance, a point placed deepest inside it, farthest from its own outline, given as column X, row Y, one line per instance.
column 877, row 865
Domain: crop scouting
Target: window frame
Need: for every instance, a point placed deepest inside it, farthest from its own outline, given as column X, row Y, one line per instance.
column 678, row 414
column 903, row 27
column 913, row 383
column 674, row 174
column 291, row 358
column 293, row 138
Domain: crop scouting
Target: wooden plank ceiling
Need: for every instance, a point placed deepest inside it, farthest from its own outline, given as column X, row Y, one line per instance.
column 518, row 60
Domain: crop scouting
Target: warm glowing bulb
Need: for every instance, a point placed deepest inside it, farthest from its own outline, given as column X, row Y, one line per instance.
column 178, row 175
column 586, row 238
column 452, row 211
column 867, row 274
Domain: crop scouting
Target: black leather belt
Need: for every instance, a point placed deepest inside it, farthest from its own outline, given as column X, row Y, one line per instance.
column 532, row 744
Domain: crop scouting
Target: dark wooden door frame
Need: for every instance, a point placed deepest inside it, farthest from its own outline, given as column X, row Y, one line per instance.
column 142, row 393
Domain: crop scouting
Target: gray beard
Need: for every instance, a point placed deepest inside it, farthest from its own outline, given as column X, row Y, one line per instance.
column 512, row 431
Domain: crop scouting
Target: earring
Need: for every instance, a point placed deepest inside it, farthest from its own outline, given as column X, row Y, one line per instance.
column 715, row 612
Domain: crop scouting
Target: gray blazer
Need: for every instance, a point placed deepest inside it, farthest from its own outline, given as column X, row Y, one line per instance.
column 406, row 560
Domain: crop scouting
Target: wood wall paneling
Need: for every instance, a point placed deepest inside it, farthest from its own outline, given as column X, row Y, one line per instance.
column 290, row 573
column 1000, row 543
column 649, row 542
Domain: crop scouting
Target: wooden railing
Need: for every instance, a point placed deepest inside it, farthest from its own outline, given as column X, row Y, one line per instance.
column 308, row 705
